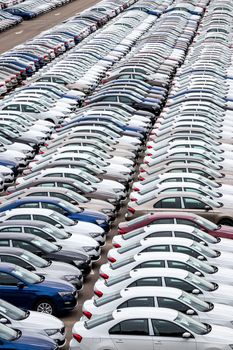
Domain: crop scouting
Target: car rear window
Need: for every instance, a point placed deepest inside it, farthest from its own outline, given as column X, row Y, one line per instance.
column 117, row 279
column 98, row 321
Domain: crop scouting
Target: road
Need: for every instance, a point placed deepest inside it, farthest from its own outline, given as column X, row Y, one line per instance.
column 28, row 29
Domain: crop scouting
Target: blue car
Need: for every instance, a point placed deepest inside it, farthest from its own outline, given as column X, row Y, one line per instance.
column 14, row 339
column 27, row 290
column 60, row 206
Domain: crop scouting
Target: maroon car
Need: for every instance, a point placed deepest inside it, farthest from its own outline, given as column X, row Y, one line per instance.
column 177, row 218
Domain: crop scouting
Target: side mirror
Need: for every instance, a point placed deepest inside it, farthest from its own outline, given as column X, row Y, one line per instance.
column 198, row 273
column 195, row 291
column 201, row 257
column 3, row 320
column 207, row 207
column 58, row 225
column 20, row 285
column 190, row 312
column 186, row 335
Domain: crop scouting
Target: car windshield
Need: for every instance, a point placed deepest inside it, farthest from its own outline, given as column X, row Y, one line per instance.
column 45, row 245
column 107, row 299
column 133, row 233
column 61, row 219
column 25, row 275
column 69, row 207
column 200, row 265
column 191, row 324
column 55, row 232
column 115, row 280
column 200, row 282
column 206, row 223
column 194, row 302
column 7, row 333
column 34, row 259
column 204, row 236
column 77, row 197
column 12, row 311
column 97, row 161
column 204, row 250
column 98, row 321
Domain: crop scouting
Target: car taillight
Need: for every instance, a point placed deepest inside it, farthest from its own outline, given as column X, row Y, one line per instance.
column 121, row 231
column 104, row 275
column 98, row 293
column 87, row 314
column 41, row 152
column 141, row 178
column 116, row 245
column 146, row 162
column 142, row 170
column 149, row 147
column 131, row 210
column 149, row 155
column 111, row 259
column 133, row 199
column 77, row 337
column 136, row 189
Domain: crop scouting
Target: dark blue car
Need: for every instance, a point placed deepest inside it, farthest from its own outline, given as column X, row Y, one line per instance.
column 14, row 339
column 60, row 206
column 27, row 290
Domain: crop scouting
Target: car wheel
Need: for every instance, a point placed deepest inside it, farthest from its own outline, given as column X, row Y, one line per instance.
column 45, row 306
column 227, row 222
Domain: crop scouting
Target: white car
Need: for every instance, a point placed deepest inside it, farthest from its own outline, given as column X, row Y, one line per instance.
column 173, row 244
column 173, row 230
column 145, row 327
column 16, row 318
column 169, row 277
column 53, row 218
column 171, row 298
column 212, row 273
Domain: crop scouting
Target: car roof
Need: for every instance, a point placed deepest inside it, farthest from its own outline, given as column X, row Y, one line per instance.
column 161, row 256
column 7, row 267
column 151, row 291
column 29, row 211
column 159, row 272
column 32, row 223
column 15, row 235
column 11, row 250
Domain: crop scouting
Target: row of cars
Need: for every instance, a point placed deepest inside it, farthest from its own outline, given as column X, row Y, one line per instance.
column 171, row 267
column 55, row 218
column 8, row 3
column 8, row 20
column 26, row 59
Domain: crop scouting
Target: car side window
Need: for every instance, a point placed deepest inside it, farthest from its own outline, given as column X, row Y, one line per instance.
column 148, row 281
column 168, row 203
column 11, row 108
column 185, row 250
column 161, row 234
column 178, row 283
column 172, row 304
column 13, row 260
column 24, row 245
column 7, row 280
column 29, row 205
column 181, row 234
column 181, row 265
column 44, row 194
column 157, row 248
column 4, row 243
column 29, row 109
column 44, row 218
column 11, row 229
column 54, row 207
column 192, row 203
column 163, row 221
column 164, row 328
column 137, row 302
column 186, row 222
column 38, row 233
column 20, row 217
column 131, row 327
column 147, row 264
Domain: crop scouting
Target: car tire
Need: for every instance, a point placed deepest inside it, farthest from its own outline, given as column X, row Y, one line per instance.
column 45, row 306
column 227, row 222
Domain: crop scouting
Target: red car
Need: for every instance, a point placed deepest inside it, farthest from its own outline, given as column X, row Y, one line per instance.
column 177, row 218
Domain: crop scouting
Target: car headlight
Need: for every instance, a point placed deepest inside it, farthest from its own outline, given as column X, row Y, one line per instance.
column 18, row 159
column 106, row 211
column 88, row 249
column 117, row 190
column 64, row 294
column 111, row 200
column 50, row 332
column 70, row 277
column 94, row 234
column 100, row 222
column 24, row 151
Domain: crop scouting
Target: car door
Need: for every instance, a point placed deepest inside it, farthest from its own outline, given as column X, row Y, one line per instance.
column 10, row 292
column 168, row 335
column 132, row 334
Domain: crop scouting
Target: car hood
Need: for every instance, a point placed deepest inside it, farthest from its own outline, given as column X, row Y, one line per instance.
column 57, row 284
column 41, row 321
column 84, row 227
column 219, row 334
column 35, row 341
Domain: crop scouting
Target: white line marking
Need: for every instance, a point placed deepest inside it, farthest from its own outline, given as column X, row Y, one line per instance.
column 21, row 31
column 57, row 14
